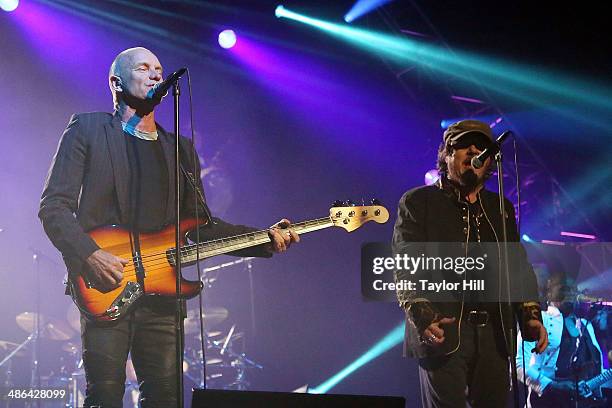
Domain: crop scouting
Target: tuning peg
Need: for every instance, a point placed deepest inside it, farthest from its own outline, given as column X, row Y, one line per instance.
column 338, row 203
column 349, row 203
column 376, row 201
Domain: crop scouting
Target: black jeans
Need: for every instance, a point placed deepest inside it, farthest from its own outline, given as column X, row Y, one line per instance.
column 477, row 372
column 148, row 333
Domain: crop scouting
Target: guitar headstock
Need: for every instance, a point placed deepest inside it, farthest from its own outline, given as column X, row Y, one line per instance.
column 350, row 217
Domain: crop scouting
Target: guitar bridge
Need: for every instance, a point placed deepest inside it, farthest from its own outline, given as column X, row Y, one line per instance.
column 130, row 294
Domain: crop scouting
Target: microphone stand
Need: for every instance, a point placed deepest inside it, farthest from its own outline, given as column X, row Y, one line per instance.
column 179, row 329
column 506, row 269
column 575, row 366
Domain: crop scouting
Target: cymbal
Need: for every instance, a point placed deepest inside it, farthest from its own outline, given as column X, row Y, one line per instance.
column 5, row 345
column 50, row 328
column 8, row 346
column 212, row 316
column 187, row 364
column 213, row 361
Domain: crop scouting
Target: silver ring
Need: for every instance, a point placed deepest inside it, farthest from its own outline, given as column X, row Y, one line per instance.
column 428, row 339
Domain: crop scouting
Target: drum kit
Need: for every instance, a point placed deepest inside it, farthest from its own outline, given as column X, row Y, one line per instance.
column 226, row 368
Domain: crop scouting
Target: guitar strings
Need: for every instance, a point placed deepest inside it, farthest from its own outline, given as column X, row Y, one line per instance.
column 164, row 257
column 186, row 248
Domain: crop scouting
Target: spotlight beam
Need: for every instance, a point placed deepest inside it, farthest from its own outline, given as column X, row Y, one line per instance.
column 160, row 12
column 517, row 81
column 392, row 339
column 129, row 26
column 363, row 7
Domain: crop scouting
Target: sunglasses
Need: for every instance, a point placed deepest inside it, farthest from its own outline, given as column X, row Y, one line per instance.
column 479, row 141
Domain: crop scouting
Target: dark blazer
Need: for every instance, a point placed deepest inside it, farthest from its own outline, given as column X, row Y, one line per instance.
column 434, row 214
column 87, row 186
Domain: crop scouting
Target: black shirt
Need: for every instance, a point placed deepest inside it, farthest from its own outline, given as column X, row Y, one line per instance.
column 148, row 183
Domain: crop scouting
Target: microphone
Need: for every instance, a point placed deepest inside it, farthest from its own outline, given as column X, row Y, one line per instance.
column 478, row 161
column 160, row 90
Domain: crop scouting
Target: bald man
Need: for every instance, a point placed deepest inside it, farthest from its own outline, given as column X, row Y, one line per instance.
column 117, row 168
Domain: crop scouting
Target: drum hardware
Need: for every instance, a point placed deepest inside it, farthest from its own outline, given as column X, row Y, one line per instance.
column 227, row 369
column 212, row 316
column 49, row 328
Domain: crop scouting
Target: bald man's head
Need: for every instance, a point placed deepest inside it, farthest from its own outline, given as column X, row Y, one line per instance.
column 133, row 73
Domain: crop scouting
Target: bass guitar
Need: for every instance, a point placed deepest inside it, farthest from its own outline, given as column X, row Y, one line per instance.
column 589, row 395
column 151, row 270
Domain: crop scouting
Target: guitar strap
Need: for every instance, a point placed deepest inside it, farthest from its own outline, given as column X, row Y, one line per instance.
column 134, row 208
column 135, row 235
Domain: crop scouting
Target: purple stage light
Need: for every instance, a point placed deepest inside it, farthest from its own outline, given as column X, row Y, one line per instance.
column 577, row 235
column 552, row 242
column 227, row 39
column 9, row 5
column 431, row 177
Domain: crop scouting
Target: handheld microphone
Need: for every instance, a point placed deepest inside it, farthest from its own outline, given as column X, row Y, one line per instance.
column 478, row 161
column 160, row 90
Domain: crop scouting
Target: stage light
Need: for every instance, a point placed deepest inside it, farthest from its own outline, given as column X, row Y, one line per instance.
column 514, row 81
column 577, row 235
column 362, row 7
column 279, row 11
column 392, row 339
column 526, row 238
column 227, row 39
column 9, row 5
column 431, row 177
column 552, row 242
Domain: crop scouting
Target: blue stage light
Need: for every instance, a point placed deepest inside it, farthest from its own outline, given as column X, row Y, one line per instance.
column 392, row 339
column 227, row 39
column 9, row 5
column 279, row 11
column 362, row 7
column 526, row 238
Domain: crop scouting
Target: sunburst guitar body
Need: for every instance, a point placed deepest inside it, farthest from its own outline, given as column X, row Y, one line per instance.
column 151, row 268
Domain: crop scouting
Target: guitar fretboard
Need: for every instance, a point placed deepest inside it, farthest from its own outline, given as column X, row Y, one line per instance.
column 193, row 252
column 600, row 379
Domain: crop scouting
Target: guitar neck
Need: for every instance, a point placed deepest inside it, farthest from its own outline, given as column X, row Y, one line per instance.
column 191, row 253
column 601, row 379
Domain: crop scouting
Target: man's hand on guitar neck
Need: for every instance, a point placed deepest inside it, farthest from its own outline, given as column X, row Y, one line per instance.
column 281, row 239
column 106, row 269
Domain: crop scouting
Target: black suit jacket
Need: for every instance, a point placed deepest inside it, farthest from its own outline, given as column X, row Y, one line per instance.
column 434, row 214
column 87, row 187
